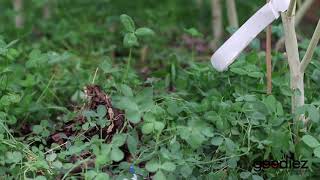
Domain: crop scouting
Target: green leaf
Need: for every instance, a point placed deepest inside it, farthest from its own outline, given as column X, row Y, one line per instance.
column 207, row 132
column 51, row 157
column 126, row 90
column 132, row 144
column 152, row 166
column 130, row 40
column 131, row 108
column 256, row 177
column 57, row 164
column 192, row 133
column 255, row 74
column 102, row 122
column 239, row 71
column 103, row 157
column 127, row 22
column 106, row 66
column 186, row 171
column 13, row 157
column 126, row 103
column 245, row 175
column 147, row 128
column 310, row 141
column 40, row 178
column 36, row 59
column 316, row 152
column 133, row 115
column 119, row 139
column 159, row 176
column 37, row 129
column 217, row 141
column 145, row 99
column 116, row 154
column 85, row 126
column 144, row 32
column 173, row 108
column 313, row 113
column 9, row 99
column 168, row 166
column 102, row 176
column 90, row 174
column 149, row 117
column 158, row 125
column 101, row 111
column 196, row 139
column 231, row 146
column 89, row 114
column 193, row 32
column 106, row 148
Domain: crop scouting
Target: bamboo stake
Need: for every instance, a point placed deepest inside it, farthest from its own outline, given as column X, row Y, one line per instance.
column 269, row 58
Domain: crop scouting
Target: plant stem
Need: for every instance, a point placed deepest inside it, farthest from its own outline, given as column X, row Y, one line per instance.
column 192, row 52
column 310, row 51
column 292, row 8
column 298, row 17
column 296, row 78
column 128, row 63
column 95, row 75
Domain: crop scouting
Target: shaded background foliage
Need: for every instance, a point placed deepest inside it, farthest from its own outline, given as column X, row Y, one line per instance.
column 183, row 119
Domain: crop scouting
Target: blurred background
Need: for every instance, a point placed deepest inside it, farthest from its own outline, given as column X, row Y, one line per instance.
column 204, row 123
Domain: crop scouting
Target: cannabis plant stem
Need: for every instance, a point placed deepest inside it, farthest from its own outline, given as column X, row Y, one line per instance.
column 310, row 51
column 297, row 68
column 292, row 7
column 296, row 78
column 303, row 9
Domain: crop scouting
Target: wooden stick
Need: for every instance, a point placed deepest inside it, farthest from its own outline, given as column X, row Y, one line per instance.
column 269, row 58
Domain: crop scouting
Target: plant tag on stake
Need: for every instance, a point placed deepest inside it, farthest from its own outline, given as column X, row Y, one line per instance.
column 231, row 49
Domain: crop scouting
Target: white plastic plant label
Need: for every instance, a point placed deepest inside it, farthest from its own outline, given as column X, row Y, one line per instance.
column 231, row 49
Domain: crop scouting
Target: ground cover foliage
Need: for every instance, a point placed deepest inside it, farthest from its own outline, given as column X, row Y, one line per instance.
column 94, row 93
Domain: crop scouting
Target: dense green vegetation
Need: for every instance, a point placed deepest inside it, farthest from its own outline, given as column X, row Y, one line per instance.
column 91, row 92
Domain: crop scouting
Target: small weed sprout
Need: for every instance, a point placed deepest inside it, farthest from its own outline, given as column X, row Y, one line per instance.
column 131, row 37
